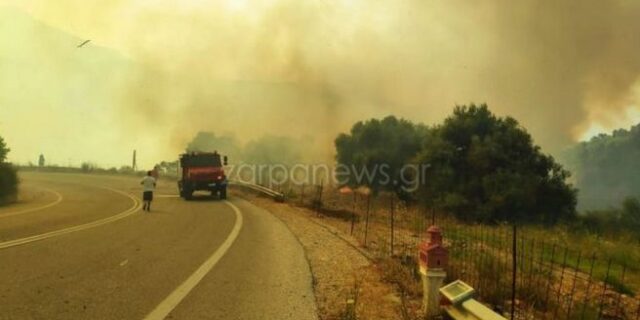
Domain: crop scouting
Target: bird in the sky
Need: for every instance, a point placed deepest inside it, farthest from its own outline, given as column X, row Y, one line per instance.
column 82, row 44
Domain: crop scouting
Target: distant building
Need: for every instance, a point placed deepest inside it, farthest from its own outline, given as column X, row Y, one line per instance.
column 41, row 161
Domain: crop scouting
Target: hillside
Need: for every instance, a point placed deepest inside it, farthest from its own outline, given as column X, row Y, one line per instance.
column 42, row 72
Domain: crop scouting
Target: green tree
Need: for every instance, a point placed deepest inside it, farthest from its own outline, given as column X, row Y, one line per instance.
column 4, row 150
column 8, row 183
column 606, row 168
column 8, row 177
column 375, row 152
column 88, row 167
column 630, row 216
column 486, row 168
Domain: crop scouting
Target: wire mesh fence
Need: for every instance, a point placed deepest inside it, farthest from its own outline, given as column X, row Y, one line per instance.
column 526, row 275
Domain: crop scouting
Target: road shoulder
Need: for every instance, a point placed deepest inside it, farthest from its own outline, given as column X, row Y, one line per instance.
column 341, row 271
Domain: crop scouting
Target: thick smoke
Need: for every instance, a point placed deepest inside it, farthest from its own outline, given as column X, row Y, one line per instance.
column 312, row 68
column 297, row 67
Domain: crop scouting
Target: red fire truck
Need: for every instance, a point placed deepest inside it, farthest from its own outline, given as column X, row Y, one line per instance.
column 202, row 171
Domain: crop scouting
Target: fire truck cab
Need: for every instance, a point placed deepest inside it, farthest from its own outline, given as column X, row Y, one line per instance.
column 202, row 171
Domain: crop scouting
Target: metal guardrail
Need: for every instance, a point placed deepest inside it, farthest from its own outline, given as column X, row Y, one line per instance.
column 277, row 196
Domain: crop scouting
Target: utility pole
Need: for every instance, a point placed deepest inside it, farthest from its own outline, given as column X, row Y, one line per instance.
column 133, row 164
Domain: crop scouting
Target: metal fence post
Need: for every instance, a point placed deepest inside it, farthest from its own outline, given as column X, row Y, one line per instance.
column 604, row 290
column 366, row 223
column 624, row 269
column 482, row 251
column 319, row 202
column 392, row 222
column 586, row 295
column 553, row 252
column 573, row 286
column 559, row 293
column 353, row 213
column 514, row 272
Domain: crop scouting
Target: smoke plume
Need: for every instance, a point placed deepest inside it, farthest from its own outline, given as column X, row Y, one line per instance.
column 312, row 68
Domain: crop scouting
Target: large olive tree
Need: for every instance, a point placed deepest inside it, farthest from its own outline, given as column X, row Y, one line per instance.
column 487, row 168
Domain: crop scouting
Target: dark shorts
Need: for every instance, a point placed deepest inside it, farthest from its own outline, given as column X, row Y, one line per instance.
column 147, row 195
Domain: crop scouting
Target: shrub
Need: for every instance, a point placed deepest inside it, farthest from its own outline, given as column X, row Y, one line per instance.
column 8, row 184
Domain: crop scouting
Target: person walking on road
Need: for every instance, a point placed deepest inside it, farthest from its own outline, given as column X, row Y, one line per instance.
column 148, row 185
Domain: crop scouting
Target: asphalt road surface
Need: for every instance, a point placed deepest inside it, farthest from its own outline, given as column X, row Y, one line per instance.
column 79, row 247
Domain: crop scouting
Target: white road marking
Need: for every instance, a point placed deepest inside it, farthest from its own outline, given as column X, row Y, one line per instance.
column 136, row 206
column 170, row 302
column 48, row 205
column 166, row 196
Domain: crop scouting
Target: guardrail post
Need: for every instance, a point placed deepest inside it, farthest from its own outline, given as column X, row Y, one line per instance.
column 433, row 260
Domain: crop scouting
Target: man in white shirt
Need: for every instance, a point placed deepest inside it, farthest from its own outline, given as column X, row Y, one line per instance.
column 148, row 184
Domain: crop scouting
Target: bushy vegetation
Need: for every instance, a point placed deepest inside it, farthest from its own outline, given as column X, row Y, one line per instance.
column 8, row 177
column 479, row 167
column 487, row 168
column 88, row 167
column 4, row 150
column 381, row 147
column 614, row 221
column 606, row 168
column 8, row 184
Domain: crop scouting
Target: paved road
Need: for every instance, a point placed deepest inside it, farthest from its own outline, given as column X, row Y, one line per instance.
column 79, row 247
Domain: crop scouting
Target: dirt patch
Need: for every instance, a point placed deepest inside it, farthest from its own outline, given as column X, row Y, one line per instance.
column 347, row 283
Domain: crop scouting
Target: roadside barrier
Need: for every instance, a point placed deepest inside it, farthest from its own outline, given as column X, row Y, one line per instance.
column 277, row 196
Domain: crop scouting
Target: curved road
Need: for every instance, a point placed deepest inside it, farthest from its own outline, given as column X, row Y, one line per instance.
column 79, row 247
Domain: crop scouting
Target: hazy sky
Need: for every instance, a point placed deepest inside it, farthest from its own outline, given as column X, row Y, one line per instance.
column 156, row 72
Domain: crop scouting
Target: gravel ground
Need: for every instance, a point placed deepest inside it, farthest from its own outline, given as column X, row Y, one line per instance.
column 341, row 270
